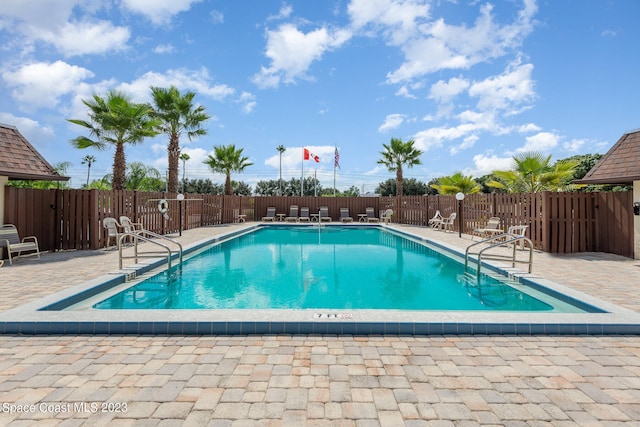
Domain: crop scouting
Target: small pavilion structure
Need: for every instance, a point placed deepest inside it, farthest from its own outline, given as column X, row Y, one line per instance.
column 19, row 160
column 621, row 166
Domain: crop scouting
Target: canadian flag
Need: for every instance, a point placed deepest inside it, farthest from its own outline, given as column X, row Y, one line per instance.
column 309, row 155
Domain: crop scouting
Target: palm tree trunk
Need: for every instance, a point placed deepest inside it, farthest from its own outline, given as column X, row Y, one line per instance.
column 119, row 169
column 227, row 186
column 174, row 154
column 399, row 180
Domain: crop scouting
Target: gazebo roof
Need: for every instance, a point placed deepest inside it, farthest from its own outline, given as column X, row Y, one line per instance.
column 621, row 164
column 19, row 160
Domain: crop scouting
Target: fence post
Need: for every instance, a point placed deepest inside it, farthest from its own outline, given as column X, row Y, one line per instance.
column 546, row 226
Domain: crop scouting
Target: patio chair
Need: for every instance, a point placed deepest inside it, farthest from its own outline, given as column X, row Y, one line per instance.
column 436, row 220
column 113, row 230
column 324, row 214
column 518, row 231
column 237, row 216
column 386, row 216
column 371, row 215
column 447, row 223
column 293, row 213
column 490, row 229
column 271, row 214
column 304, row 214
column 10, row 239
column 344, row 215
column 128, row 226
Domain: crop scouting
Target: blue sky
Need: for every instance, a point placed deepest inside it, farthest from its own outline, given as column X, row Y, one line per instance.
column 472, row 82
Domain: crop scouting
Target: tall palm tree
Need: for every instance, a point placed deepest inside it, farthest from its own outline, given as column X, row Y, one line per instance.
column 184, row 157
column 177, row 114
column 115, row 120
column 532, row 172
column 227, row 159
column 398, row 154
column 88, row 160
column 457, row 183
column 281, row 150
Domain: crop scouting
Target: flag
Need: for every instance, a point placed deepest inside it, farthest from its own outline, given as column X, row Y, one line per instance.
column 336, row 159
column 309, row 155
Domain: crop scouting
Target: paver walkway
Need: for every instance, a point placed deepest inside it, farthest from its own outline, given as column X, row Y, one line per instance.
column 318, row 380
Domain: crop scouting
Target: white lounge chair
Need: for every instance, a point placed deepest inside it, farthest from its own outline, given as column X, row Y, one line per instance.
column 10, row 239
column 447, row 223
column 371, row 215
column 436, row 220
column 293, row 213
column 344, row 215
column 304, row 215
column 490, row 229
column 271, row 214
column 386, row 216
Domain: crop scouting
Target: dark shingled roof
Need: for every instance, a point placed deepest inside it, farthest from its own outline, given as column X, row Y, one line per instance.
column 19, row 160
column 621, row 164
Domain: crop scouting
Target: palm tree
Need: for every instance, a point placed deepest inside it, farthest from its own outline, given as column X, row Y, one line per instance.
column 143, row 177
column 177, row 114
column 532, row 172
column 397, row 155
column 281, row 150
column 227, row 159
column 115, row 121
column 184, row 157
column 88, row 160
column 457, row 183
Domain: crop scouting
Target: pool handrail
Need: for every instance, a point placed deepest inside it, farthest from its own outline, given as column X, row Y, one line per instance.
column 145, row 235
column 501, row 240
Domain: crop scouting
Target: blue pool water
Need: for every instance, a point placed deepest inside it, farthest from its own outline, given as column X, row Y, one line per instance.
column 330, row 268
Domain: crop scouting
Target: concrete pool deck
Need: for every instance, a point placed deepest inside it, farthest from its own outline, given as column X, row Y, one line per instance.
column 321, row 379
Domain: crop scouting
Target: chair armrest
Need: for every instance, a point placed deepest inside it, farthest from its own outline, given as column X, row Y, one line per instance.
column 31, row 238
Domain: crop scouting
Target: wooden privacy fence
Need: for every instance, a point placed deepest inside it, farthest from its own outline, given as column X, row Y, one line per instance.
column 557, row 222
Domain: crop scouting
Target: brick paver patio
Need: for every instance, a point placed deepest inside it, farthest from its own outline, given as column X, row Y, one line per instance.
column 319, row 380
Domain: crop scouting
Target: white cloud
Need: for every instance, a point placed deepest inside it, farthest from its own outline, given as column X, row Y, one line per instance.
column 217, row 17
column 33, row 131
column 574, row 145
column 397, row 19
column 487, row 163
column 159, row 12
column 392, row 121
column 471, row 123
column 292, row 160
column 87, row 37
column 467, row 142
column 164, row 48
column 248, row 102
column 445, row 91
column 513, row 87
column 542, row 141
column 41, row 84
column 284, row 12
column 292, row 52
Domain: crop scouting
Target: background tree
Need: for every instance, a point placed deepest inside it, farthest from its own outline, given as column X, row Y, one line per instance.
column 177, row 114
column 202, row 186
column 532, row 172
column 412, row 187
column 397, row 155
column 184, row 157
column 281, row 150
column 144, row 178
column 88, row 160
column 457, row 183
column 117, row 121
column 227, row 159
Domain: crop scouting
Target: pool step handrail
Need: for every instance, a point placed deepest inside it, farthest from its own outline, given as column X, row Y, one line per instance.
column 499, row 240
column 146, row 236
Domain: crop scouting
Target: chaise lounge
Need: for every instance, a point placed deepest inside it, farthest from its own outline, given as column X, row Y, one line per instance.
column 10, row 239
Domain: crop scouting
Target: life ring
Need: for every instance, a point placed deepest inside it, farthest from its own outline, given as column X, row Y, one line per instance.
column 163, row 206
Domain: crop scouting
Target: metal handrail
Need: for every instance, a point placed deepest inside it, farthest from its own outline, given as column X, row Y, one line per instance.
column 503, row 240
column 138, row 235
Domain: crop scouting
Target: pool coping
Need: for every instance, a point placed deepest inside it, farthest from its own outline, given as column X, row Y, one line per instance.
column 31, row 318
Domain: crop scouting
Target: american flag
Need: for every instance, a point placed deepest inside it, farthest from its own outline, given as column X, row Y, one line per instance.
column 337, row 159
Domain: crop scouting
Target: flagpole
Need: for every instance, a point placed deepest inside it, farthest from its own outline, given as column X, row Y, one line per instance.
column 334, row 171
column 302, row 176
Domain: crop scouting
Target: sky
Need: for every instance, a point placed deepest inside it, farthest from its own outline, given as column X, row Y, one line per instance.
column 473, row 83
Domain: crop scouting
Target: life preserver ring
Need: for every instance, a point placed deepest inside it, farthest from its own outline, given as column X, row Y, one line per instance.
column 163, row 206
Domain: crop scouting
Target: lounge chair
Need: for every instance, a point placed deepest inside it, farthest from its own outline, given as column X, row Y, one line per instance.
column 436, row 220
column 518, row 231
column 324, row 214
column 386, row 216
column 10, row 239
column 344, row 215
column 113, row 230
column 490, row 229
column 304, row 214
column 271, row 214
column 447, row 223
column 293, row 213
column 371, row 215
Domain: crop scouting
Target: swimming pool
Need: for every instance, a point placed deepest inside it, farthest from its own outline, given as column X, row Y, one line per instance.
column 330, row 267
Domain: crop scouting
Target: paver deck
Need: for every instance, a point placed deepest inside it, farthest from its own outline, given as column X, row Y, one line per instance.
column 320, row 380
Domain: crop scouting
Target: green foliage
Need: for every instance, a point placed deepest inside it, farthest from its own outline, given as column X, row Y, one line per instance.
column 412, row 187
column 457, row 183
column 144, row 178
column 398, row 154
column 227, row 159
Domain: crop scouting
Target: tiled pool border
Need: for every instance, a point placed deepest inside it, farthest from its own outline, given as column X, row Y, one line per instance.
column 45, row 316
